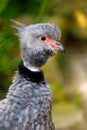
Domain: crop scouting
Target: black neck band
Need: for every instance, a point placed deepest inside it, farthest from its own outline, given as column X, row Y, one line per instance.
column 29, row 75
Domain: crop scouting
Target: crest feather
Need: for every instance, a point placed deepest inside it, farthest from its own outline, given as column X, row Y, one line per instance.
column 18, row 23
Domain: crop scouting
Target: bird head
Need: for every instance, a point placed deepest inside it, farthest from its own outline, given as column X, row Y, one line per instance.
column 38, row 42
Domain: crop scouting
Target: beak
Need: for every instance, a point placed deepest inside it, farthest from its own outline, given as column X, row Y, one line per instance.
column 56, row 46
column 59, row 46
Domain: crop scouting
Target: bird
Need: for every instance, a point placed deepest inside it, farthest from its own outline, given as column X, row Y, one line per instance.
column 28, row 102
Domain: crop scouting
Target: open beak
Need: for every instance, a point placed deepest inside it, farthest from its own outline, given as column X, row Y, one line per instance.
column 55, row 45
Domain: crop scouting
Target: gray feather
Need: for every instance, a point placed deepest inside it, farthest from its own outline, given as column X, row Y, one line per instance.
column 18, row 23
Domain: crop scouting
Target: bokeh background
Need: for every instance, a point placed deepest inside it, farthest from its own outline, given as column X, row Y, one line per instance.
column 67, row 74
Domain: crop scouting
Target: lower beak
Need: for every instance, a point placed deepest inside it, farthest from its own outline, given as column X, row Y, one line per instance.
column 59, row 46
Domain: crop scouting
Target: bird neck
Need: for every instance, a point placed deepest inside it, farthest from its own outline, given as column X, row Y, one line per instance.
column 31, row 67
column 24, row 82
column 33, row 76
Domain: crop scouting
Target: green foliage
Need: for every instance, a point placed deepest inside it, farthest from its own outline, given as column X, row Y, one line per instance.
column 3, row 4
column 64, row 108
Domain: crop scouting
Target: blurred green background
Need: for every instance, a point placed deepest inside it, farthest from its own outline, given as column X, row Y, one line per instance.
column 67, row 74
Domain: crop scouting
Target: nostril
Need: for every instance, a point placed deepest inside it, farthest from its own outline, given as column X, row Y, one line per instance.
column 57, row 43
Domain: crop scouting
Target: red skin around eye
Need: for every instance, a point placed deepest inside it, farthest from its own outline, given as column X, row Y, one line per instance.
column 55, row 45
column 48, row 40
column 52, row 43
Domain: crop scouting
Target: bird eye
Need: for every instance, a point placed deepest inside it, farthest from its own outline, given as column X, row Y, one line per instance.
column 42, row 38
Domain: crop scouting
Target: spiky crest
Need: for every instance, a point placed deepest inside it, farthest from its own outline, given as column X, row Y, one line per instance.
column 21, row 25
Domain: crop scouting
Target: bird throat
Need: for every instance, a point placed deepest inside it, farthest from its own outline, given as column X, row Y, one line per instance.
column 30, row 67
column 33, row 76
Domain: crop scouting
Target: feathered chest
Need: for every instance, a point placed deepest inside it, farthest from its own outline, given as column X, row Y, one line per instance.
column 30, row 87
column 30, row 101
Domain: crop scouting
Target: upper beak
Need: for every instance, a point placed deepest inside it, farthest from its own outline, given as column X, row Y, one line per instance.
column 60, row 47
column 55, row 45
